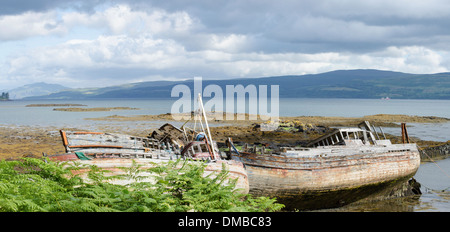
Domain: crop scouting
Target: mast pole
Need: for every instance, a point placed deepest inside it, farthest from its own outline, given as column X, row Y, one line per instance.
column 206, row 123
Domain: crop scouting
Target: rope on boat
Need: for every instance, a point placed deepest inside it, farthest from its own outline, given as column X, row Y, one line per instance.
column 437, row 165
column 406, row 139
column 443, row 171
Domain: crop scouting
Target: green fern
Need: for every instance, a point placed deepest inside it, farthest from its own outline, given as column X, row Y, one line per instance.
column 36, row 185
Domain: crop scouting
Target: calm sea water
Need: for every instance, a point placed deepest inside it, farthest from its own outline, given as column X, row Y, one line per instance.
column 434, row 177
column 15, row 112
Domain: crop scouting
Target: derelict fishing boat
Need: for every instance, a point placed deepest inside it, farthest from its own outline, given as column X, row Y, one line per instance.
column 344, row 166
column 113, row 152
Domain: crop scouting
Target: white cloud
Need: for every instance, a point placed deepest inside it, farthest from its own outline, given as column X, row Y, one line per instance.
column 231, row 42
column 30, row 24
column 125, row 42
column 117, row 58
column 121, row 19
column 118, row 19
column 104, row 54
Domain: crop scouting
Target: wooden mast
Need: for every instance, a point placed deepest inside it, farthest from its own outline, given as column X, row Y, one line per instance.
column 206, row 123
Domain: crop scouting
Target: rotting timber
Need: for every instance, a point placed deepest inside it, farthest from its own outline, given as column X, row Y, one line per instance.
column 113, row 152
column 341, row 167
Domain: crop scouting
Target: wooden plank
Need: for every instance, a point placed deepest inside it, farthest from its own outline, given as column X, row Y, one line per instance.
column 95, row 145
column 64, row 140
column 87, row 132
column 64, row 137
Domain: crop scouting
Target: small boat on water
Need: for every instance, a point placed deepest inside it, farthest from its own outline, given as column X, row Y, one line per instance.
column 338, row 168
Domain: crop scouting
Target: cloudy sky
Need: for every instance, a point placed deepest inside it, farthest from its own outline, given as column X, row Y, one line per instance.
column 96, row 43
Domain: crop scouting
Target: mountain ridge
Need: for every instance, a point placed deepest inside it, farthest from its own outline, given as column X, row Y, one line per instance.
column 35, row 89
column 357, row 83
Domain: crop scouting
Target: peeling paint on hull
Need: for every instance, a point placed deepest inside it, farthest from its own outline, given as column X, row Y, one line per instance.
column 114, row 166
column 328, row 176
column 112, row 152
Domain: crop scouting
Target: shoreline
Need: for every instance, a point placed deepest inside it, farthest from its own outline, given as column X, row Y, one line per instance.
column 19, row 141
column 78, row 109
column 386, row 120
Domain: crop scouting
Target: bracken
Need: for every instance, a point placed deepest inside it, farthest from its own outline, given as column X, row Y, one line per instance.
column 40, row 185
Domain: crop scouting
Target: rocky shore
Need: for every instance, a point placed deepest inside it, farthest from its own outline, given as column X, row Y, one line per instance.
column 435, row 152
column 18, row 141
column 25, row 141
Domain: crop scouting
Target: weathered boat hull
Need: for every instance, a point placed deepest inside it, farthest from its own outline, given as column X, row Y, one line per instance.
column 115, row 166
column 113, row 152
column 329, row 176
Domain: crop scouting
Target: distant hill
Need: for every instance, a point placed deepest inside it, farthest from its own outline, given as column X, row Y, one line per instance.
column 36, row 89
column 366, row 83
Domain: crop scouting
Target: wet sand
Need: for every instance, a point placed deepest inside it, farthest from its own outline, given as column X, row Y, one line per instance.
column 20, row 141
column 78, row 109
column 51, row 105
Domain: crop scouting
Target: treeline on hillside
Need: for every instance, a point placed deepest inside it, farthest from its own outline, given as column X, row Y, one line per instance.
column 5, row 96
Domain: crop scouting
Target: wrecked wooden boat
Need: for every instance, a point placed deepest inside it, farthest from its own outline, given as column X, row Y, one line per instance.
column 344, row 166
column 113, row 152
